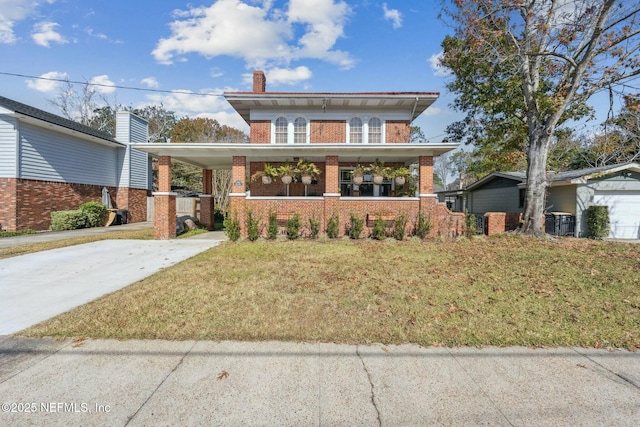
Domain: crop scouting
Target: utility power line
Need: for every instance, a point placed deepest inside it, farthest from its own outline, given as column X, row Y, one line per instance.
column 141, row 89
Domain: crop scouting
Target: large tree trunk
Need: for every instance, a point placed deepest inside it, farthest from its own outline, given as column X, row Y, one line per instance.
column 534, row 205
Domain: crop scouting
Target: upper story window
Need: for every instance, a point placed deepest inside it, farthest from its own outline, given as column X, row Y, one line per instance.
column 355, row 130
column 375, row 131
column 300, row 131
column 281, row 130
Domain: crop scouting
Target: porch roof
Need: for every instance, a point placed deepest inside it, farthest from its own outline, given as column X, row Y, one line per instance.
column 219, row 156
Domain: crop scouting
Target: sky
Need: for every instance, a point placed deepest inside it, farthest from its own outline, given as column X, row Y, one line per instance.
column 167, row 49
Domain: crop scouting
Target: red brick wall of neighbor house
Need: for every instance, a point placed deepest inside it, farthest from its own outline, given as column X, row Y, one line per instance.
column 499, row 222
column 134, row 200
column 328, row 131
column 8, row 204
column 277, row 188
column 397, row 132
column 260, row 131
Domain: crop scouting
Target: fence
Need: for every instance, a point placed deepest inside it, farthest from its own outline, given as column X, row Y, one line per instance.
column 184, row 206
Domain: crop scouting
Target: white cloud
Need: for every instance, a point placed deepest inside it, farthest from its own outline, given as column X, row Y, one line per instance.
column 438, row 69
column 208, row 103
column 392, row 15
column 432, row 111
column 287, row 76
column 100, row 36
column 102, row 84
column 150, row 82
column 259, row 34
column 48, row 82
column 45, row 33
column 12, row 11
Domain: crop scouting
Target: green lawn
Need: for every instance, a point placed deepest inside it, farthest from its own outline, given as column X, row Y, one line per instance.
column 503, row 290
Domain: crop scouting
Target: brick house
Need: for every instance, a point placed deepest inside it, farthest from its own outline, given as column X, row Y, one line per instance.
column 49, row 163
column 335, row 131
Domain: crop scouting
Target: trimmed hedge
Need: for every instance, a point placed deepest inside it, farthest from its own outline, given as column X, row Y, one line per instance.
column 68, row 220
column 96, row 213
column 597, row 221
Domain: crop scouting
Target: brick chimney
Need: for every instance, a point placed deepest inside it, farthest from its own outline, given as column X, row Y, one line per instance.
column 259, row 82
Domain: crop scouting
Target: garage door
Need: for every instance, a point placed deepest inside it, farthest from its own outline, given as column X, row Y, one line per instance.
column 624, row 212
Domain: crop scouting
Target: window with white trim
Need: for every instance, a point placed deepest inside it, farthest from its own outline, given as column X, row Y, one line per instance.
column 300, row 131
column 375, row 131
column 281, row 134
column 355, row 130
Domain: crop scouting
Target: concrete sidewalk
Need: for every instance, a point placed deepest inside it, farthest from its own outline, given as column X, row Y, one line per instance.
column 38, row 286
column 150, row 383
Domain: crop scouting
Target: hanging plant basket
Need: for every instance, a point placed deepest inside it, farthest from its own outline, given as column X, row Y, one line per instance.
column 377, row 179
column 357, row 180
column 400, row 180
column 286, row 179
column 306, row 179
column 266, row 179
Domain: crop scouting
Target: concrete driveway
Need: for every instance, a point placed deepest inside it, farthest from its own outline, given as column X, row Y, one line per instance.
column 38, row 286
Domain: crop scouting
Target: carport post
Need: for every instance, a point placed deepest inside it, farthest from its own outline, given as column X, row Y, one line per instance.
column 206, row 199
column 164, row 203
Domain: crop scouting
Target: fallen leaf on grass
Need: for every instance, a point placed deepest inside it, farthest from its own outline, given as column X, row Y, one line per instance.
column 580, row 365
column 221, row 375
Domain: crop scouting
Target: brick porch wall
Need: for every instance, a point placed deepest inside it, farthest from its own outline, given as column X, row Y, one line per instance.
column 134, row 200
column 445, row 223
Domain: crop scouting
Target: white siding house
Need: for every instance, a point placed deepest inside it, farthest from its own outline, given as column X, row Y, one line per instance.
column 49, row 163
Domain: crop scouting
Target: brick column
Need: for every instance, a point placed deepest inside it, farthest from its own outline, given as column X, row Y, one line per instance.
column 332, row 175
column 426, row 175
column 164, row 203
column 206, row 199
column 332, row 188
column 238, row 193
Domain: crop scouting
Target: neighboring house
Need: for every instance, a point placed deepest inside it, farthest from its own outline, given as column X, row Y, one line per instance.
column 49, row 163
column 336, row 131
column 615, row 186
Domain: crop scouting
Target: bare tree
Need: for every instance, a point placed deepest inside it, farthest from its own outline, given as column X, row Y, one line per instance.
column 538, row 62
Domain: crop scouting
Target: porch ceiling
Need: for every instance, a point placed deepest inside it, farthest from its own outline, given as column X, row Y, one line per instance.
column 219, row 156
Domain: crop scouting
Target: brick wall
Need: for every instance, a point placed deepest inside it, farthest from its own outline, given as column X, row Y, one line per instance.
column 397, row 132
column 164, row 217
column 8, row 204
column 328, row 131
column 28, row 204
column 499, row 222
column 277, row 188
column 260, row 131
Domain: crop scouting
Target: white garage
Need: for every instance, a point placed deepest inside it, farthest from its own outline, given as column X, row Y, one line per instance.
column 624, row 212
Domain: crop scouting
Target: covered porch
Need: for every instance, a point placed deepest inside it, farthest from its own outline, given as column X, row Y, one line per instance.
column 331, row 194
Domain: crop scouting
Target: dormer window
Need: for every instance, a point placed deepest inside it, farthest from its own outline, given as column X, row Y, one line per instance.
column 375, row 131
column 355, row 130
column 282, row 125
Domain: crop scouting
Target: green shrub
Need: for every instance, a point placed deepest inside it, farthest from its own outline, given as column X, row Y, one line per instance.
column 379, row 231
column 272, row 227
column 96, row 213
column 253, row 226
column 314, row 227
column 68, row 220
column 597, row 222
column 399, row 227
column 333, row 226
column 423, row 227
column 293, row 226
column 356, row 226
column 471, row 224
column 232, row 227
column 16, row 233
